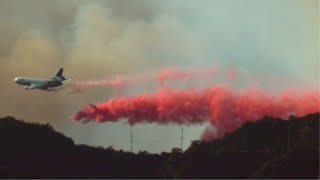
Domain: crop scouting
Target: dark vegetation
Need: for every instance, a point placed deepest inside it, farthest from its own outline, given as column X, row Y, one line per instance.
column 268, row 148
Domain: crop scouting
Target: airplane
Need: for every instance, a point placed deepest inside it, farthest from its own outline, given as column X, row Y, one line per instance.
column 42, row 84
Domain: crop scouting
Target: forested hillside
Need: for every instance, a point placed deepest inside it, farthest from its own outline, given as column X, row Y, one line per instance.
column 267, row 148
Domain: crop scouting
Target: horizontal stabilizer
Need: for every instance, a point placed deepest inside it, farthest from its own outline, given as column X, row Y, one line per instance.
column 67, row 79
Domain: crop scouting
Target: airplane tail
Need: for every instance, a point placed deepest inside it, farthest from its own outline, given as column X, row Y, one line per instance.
column 60, row 72
column 59, row 76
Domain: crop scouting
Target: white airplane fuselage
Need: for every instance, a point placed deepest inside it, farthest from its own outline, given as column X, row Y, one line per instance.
column 43, row 83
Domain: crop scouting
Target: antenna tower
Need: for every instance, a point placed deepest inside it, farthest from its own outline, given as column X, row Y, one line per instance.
column 181, row 145
column 131, row 140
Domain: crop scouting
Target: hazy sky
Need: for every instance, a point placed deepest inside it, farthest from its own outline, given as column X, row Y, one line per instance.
column 98, row 38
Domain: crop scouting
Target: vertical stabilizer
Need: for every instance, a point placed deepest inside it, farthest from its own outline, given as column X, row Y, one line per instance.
column 59, row 74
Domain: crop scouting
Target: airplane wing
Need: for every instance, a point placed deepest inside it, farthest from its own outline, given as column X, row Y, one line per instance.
column 33, row 86
column 36, row 86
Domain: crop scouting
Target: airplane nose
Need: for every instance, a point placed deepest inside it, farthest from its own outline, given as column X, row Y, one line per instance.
column 15, row 79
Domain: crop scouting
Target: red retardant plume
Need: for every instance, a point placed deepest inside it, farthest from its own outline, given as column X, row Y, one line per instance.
column 162, row 76
column 224, row 108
